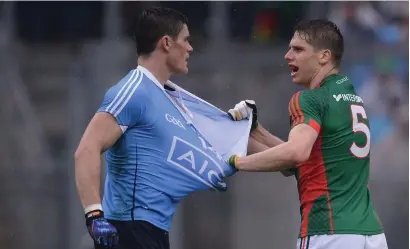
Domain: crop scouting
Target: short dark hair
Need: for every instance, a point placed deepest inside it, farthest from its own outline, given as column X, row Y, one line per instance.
column 154, row 23
column 322, row 34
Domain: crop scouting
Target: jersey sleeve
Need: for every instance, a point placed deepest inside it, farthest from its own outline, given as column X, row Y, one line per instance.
column 306, row 108
column 127, row 107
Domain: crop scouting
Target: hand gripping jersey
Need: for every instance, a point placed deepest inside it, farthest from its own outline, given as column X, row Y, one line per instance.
column 162, row 155
column 333, row 183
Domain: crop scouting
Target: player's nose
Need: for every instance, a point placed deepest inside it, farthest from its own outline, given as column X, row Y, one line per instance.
column 288, row 56
column 190, row 48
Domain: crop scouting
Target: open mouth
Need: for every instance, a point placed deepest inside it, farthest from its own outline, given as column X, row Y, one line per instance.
column 294, row 68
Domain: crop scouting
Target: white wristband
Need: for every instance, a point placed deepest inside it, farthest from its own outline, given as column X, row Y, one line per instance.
column 93, row 207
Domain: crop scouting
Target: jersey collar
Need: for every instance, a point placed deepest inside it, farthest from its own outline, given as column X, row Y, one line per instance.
column 156, row 82
column 150, row 76
column 329, row 78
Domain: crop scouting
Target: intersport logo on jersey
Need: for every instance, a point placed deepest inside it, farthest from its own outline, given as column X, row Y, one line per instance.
column 197, row 163
column 348, row 97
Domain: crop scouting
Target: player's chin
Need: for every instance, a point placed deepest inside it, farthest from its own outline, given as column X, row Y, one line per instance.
column 183, row 70
column 296, row 81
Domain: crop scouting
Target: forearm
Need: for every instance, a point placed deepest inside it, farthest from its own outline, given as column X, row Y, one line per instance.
column 263, row 136
column 87, row 176
column 278, row 158
column 255, row 146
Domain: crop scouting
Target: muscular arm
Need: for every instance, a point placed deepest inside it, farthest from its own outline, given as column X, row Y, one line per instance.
column 101, row 133
column 260, row 140
column 255, row 146
column 263, row 136
column 284, row 156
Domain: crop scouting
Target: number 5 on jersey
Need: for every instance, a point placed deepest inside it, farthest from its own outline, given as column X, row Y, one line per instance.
column 360, row 152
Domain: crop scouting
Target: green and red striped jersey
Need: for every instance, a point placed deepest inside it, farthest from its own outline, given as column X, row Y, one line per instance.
column 333, row 183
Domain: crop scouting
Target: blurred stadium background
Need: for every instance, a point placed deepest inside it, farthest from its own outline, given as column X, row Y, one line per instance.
column 58, row 58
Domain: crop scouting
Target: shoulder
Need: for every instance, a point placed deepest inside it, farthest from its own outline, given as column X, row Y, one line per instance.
column 305, row 106
column 133, row 84
column 313, row 97
column 129, row 91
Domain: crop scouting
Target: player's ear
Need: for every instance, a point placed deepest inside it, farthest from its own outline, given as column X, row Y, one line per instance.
column 165, row 43
column 325, row 56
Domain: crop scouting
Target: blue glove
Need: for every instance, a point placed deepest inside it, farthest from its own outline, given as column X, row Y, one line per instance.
column 102, row 232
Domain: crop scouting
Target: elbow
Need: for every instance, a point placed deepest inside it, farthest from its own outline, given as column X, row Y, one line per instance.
column 80, row 153
column 87, row 152
column 300, row 156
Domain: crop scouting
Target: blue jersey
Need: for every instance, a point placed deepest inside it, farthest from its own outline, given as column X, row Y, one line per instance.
column 161, row 156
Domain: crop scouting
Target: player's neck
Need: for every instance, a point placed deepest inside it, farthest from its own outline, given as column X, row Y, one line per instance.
column 159, row 70
column 322, row 74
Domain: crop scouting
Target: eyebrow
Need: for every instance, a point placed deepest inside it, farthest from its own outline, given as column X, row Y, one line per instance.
column 297, row 47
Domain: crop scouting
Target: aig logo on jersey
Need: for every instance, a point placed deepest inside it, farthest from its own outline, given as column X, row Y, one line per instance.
column 196, row 163
column 174, row 121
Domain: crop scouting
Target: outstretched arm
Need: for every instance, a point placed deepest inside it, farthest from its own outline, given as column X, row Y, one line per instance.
column 260, row 139
column 306, row 110
column 284, row 156
column 255, row 146
column 264, row 137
